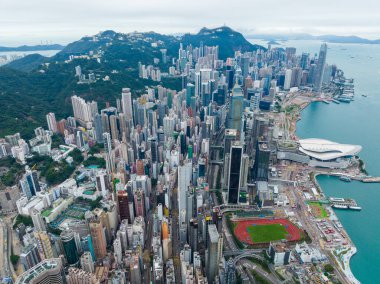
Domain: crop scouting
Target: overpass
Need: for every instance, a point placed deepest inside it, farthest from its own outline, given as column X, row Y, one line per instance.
column 216, row 146
column 216, row 162
column 234, row 207
column 248, row 254
column 245, row 252
column 288, row 182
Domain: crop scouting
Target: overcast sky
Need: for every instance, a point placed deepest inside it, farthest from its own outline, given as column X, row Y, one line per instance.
column 63, row 21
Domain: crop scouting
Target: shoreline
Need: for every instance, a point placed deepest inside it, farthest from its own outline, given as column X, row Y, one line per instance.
column 346, row 257
column 353, row 250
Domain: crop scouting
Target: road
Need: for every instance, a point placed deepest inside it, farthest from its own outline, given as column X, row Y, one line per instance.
column 309, row 224
column 149, row 238
column 249, row 265
column 175, row 236
column 5, row 250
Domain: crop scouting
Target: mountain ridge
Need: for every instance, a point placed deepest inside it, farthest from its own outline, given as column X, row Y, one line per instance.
column 305, row 36
column 32, row 47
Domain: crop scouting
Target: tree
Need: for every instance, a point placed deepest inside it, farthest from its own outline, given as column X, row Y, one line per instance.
column 14, row 259
column 329, row 268
column 24, row 219
column 56, row 140
column 92, row 160
column 77, row 156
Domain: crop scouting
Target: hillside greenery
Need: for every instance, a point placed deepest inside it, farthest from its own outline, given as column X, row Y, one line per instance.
column 10, row 172
column 35, row 85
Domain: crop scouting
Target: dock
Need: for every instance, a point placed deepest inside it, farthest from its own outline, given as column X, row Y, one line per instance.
column 326, row 101
column 371, row 179
column 336, row 101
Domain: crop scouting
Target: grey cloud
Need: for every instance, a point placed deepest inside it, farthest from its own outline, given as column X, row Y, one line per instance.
column 29, row 21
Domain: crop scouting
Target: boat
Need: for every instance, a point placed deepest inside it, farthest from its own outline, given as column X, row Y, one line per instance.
column 363, row 95
column 344, row 100
column 358, row 208
column 338, row 206
column 345, row 178
column 335, row 101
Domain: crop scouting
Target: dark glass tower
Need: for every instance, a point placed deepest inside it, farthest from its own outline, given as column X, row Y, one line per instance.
column 234, row 176
column 261, row 165
column 70, row 247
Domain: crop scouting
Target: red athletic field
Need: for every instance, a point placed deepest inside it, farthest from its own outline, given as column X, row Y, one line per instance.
column 243, row 227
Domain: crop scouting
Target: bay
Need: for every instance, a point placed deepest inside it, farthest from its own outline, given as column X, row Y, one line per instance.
column 354, row 123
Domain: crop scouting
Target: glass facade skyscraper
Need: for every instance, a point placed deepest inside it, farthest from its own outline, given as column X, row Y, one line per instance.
column 69, row 246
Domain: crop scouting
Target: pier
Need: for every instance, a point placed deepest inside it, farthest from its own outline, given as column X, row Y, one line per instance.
column 371, row 179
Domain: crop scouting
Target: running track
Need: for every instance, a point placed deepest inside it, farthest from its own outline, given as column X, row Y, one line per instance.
column 242, row 234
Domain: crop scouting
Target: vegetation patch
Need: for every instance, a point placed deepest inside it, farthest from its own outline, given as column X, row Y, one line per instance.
column 14, row 259
column 267, row 233
column 10, row 171
column 318, row 210
column 26, row 220
column 95, row 161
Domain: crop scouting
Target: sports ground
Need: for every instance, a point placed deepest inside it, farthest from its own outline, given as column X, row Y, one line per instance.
column 258, row 231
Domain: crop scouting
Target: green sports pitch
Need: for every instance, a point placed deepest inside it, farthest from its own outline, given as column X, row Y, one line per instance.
column 267, row 233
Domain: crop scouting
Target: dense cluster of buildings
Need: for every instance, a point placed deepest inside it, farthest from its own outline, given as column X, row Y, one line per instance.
column 166, row 153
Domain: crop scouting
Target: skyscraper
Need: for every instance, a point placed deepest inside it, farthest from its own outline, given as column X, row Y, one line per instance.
column 261, row 165
column 126, row 103
column 288, row 79
column 234, row 177
column 38, row 222
column 114, row 127
column 320, row 67
column 44, row 245
column 139, row 202
column 184, row 179
column 123, row 204
column 98, row 128
column 29, row 183
column 108, row 150
column 47, row 271
column 230, row 272
column 214, row 252
column 98, row 238
column 235, row 111
column 86, row 262
column 82, row 110
column 29, row 256
column 51, row 122
column 69, row 247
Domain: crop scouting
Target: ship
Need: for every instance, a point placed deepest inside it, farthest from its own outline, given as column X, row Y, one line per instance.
column 345, row 178
column 338, row 206
column 343, row 100
column 358, row 208
column 342, row 203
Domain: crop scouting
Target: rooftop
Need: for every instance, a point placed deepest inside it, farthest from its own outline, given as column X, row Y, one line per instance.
column 29, row 275
column 326, row 150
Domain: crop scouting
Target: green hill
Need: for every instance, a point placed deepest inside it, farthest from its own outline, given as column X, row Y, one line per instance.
column 28, row 63
column 227, row 39
column 30, row 89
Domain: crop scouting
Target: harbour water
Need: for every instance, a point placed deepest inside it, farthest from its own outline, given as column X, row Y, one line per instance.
column 7, row 56
column 354, row 123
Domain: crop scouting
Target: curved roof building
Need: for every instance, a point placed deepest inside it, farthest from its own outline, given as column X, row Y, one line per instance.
column 325, row 150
